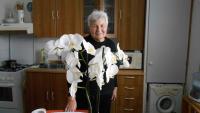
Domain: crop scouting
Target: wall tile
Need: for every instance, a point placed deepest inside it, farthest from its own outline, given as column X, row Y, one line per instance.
column 4, row 47
column 21, row 47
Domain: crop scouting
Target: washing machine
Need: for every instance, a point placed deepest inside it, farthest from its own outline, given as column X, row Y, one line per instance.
column 165, row 98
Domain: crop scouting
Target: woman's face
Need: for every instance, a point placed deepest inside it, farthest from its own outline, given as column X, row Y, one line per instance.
column 98, row 30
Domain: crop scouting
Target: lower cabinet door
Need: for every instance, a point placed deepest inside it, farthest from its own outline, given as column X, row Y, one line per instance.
column 45, row 90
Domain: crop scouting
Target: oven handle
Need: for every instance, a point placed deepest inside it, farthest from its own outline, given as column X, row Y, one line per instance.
column 7, row 84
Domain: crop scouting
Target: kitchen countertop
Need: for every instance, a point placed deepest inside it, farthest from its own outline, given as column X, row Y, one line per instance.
column 59, row 70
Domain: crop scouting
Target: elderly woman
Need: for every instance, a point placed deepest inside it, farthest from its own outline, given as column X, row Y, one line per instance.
column 98, row 24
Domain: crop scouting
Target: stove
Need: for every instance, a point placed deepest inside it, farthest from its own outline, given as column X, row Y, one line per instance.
column 11, row 89
column 17, row 68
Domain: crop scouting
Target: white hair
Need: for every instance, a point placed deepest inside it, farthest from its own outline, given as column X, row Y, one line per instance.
column 97, row 15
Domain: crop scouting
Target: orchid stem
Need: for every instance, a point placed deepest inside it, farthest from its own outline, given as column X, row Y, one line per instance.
column 88, row 97
column 82, row 58
column 98, row 100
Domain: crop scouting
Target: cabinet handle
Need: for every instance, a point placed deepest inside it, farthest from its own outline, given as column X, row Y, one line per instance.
column 57, row 14
column 129, row 77
column 120, row 14
column 128, row 109
column 129, row 88
column 47, row 95
column 129, row 98
column 52, row 14
column 52, row 96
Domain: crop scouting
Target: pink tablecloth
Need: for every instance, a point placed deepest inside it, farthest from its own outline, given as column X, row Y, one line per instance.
column 51, row 111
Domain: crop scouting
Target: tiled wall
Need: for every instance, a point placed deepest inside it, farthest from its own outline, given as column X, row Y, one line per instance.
column 20, row 46
column 4, row 54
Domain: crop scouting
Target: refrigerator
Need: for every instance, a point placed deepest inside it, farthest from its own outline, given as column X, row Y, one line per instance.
column 167, row 35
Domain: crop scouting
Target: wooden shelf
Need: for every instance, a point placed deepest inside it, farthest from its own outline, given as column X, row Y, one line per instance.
column 17, row 27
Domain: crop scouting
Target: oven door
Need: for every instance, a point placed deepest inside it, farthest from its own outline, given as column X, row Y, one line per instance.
column 8, row 95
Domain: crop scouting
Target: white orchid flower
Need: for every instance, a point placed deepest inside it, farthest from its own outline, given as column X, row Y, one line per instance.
column 71, row 59
column 89, row 48
column 100, row 80
column 58, row 50
column 73, row 88
column 51, row 48
column 122, row 56
column 73, row 74
column 109, row 56
column 96, row 71
column 70, row 41
column 96, row 67
column 126, row 63
column 73, row 77
column 75, row 42
column 110, row 61
column 64, row 42
column 111, row 71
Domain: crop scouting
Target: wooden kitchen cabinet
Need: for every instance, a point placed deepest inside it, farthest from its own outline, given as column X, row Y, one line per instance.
column 48, row 89
column 131, row 24
column 45, row 89
column 130, row 92
column 53, row 18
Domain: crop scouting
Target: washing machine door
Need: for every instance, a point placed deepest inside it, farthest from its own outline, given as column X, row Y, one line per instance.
column 165, row 104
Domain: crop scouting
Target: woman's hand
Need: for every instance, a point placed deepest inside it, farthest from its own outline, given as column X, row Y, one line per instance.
column 114, row 94
column 71, row 104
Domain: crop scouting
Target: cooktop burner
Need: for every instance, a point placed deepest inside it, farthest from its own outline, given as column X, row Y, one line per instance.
column 17, row 68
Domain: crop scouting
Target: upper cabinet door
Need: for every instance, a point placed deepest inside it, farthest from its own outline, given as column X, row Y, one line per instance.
column 53, row 18
column 131, row 24
column 109, row 6
column 43, row 18
column 69, row 16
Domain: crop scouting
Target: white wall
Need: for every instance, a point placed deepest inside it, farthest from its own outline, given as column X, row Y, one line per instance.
column 194, row 54
column 5, row 7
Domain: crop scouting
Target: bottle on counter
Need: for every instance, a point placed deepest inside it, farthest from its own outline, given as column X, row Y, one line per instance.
column 42, row 56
